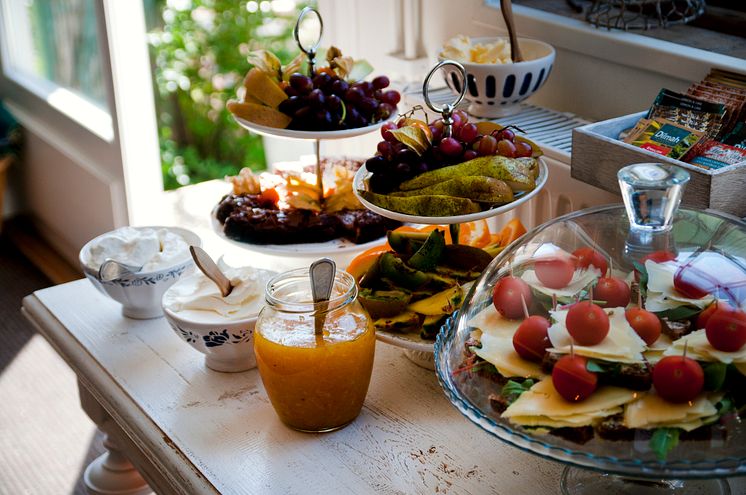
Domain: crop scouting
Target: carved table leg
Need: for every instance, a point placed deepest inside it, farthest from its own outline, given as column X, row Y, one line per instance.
column 111, row 473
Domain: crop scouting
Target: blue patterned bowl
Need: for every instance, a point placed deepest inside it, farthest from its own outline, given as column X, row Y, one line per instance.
column 494, row 90
column 140, row 293
column 228, row 346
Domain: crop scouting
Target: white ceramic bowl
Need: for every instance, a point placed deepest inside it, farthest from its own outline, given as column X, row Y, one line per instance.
column 140, row 293
column 493, row 90
column 227, row 345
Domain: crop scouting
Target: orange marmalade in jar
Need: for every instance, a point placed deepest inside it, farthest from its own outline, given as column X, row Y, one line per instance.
column 316, row 383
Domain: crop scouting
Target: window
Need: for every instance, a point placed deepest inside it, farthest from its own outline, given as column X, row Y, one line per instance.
column 52, row 48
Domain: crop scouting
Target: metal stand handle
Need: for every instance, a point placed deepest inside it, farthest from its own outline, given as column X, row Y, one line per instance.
column 446, row 110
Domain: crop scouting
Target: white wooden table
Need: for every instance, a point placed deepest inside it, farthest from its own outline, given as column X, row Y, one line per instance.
column 191, row 430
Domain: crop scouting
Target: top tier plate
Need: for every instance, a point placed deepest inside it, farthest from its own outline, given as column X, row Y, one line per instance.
column 293, row 134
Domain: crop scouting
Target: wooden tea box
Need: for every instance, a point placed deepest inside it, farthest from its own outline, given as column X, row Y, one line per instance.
column 597, row 155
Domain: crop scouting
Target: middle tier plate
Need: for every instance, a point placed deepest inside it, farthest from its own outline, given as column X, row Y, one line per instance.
column 362, row 174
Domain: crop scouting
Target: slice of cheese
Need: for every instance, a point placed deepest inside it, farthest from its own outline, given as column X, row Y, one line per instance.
column 567, row 421
column 543, row 400
column 699, row 348
column 491, row 322
column 662, row 295
column 580, row 280
column 651, row 411
column 622, row 344
column 653, row 353
column 499, row 352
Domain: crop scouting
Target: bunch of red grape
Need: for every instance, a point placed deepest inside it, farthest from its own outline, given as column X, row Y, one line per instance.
column 329, row 103
column 394, row 162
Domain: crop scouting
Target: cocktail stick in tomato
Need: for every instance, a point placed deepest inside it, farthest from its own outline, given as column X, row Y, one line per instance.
column 678, row 379
column 555, row 271
column 531, row 339
column 726, row 329
column 587, row 257
column 572, row 380
column 646, row 324
column 587, row 323
column 613, row 291
column 507, row 296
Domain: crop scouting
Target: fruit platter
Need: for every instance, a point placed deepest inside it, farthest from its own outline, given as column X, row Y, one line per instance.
column 577, row 345
column 411, row 284
column 449, row 170
column 332, row 101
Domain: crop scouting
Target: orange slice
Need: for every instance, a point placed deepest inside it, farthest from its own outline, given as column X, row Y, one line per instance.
column 475, row 234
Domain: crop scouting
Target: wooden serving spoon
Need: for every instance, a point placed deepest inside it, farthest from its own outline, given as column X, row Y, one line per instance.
column 506, row 6
column 211, row 270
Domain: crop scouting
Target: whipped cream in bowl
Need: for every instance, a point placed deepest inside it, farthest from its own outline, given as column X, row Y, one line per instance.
column 163, row 254
column 222, row 328
column 152, row 248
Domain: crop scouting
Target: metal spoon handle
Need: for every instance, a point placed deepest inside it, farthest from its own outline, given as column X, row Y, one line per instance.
column 322, row 274
column 211, row 270
column 112, row 269
column 506, row 6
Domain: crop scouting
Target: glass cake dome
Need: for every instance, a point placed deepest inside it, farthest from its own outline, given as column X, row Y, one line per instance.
column 675, row 263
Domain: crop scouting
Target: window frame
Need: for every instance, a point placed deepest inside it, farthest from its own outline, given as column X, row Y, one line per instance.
column 119, row 147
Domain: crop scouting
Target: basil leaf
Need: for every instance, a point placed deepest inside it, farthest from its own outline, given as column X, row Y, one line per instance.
column 663, row 441
column 714, row 375
column 594, row 367
column 725, row 405
column 680, row 313
column 512, row 390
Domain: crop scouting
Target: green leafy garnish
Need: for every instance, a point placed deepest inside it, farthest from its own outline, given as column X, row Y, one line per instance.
column 512, row 390
column 602, row 367
column 725, row 405
column 714, row 376
column 680, row 313
column 663, row 441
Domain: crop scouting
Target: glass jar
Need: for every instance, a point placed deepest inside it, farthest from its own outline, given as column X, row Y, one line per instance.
column 316, row 383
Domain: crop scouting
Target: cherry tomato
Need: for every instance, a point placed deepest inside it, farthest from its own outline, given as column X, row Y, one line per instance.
column 572, row 379
column 507, row 297
column 693, row 282
column 726, row 329
column 587, row 256
column 658, row 257
column 587, row 323
column 555, row 272
column 532, row 338
column 678, row 379
column 614, row 291
column 645, row 323
column 709, row 311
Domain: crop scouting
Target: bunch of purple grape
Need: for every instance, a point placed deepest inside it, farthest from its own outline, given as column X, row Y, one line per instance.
column 329, row 103
column 394, row 162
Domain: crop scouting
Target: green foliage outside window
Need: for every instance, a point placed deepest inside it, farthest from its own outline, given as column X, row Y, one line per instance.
column 198, row 49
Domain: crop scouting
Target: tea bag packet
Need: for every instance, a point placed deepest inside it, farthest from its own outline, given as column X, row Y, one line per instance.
column 688, row 111
column 718, row 155
column 667, row 138
column 736, row 137
column 629, row 135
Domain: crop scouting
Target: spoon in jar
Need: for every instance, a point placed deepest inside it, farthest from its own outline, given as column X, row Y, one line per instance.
column 322, row 279
column 506, row 6
column 211, row 270
column 112, row 269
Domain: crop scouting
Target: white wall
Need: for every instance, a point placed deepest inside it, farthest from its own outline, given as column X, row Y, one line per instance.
column 598, row 74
